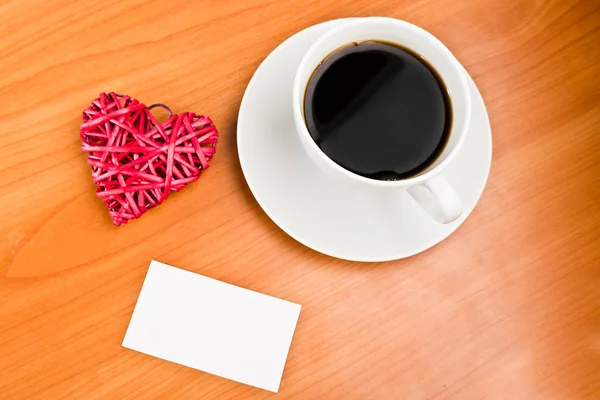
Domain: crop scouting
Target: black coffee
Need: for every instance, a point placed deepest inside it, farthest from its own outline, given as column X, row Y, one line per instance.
column 378, row 110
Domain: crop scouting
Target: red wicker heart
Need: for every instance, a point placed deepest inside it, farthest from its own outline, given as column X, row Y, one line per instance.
column 136, row 160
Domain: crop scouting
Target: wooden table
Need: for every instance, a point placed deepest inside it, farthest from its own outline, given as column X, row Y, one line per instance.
column 508, row 307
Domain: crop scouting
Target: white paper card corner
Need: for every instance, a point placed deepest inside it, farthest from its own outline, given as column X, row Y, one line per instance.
column 206, row 324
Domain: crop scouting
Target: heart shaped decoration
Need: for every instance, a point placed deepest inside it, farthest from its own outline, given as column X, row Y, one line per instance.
column 137, row 161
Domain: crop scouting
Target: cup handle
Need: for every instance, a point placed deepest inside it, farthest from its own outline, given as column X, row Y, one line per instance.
column 439, row 199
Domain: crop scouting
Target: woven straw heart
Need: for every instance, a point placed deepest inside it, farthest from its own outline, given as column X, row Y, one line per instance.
column 137, row 161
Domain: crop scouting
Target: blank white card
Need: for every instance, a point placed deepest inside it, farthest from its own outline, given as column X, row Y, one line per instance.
column 212, row 326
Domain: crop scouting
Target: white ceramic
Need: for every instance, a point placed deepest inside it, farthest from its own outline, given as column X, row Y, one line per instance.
column 437, row 55
column 334, row 216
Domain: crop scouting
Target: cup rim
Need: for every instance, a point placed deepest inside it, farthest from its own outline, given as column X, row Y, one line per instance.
column 298, row 108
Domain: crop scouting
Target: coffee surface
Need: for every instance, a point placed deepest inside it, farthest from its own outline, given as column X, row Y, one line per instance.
column 378, row 110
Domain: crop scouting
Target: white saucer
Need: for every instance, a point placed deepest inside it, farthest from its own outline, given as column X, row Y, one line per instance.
column 330, row 216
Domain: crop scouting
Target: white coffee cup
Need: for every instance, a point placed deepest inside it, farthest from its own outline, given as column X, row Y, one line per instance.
column 449, row 206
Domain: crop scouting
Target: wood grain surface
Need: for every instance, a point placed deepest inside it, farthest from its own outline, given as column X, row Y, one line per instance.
column 507, row 308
